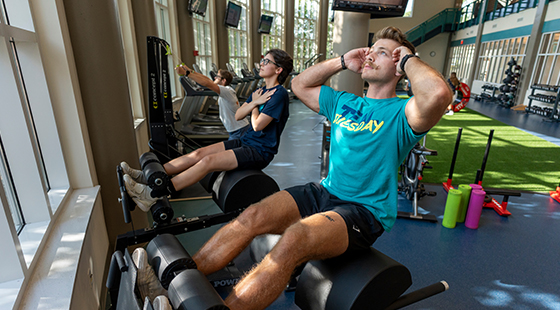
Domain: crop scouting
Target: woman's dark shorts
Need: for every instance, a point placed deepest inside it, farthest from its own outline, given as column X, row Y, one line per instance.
column 363, row 228
column 247, row 157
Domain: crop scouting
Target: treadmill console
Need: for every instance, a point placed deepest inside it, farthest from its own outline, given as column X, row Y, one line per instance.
column 194, row 89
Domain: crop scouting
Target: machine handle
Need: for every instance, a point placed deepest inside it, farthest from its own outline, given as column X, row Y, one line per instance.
column 418, row 295
column 124, row 200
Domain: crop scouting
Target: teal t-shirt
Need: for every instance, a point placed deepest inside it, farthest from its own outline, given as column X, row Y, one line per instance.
column 370, row 138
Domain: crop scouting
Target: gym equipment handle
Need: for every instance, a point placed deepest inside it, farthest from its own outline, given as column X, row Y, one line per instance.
column 418, row 295
column 117, row 266
column 124, row 195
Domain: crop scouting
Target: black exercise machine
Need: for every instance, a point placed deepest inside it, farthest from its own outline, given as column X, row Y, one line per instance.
column 191, row 105
column 368, row 280
column 228, row 192
column 411, row 171
column 360, row 280
column 165, row 140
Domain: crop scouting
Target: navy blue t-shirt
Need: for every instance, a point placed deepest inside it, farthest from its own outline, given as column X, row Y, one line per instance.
column 266, row 141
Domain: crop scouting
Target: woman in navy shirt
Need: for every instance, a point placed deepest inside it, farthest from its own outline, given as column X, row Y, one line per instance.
column 269, row 111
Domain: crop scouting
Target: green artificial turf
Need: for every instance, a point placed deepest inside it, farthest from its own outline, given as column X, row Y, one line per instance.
column 517, row 160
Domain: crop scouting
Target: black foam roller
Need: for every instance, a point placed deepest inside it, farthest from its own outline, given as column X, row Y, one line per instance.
column 147, row 158
column 190, row 290
column 162, row 212
column 156, row 176
column 168, row 257
column 241, row 188
column 366, row 280
column 208, row 181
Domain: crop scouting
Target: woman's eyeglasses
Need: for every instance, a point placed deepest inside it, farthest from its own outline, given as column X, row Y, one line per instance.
column 265, row 62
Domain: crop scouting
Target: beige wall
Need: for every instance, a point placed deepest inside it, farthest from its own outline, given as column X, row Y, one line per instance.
column 97, row 48
column 434, row 51
column 521, row 19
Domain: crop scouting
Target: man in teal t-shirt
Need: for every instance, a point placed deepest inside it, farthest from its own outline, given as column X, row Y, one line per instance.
column 379, row 131
column 358, row 200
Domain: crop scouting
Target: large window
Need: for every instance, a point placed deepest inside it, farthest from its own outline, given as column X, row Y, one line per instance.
column 32, row 168
column 409, row 9
column 164, row 19
column 9, row 192
column 547, row 67
column 203, row 41
column 494, row 56
column 307, row 13
column 461, row 60
column 239, row 39
column 274, row 8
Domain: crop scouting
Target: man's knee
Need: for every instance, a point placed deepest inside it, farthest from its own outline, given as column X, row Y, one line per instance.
column 293, row 245
column 252, row 218
column 270, row 215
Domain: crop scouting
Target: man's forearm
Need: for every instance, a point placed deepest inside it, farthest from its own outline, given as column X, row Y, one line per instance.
column 200, row 79
column 425, row 81
column 307, row 85
column 319, row 74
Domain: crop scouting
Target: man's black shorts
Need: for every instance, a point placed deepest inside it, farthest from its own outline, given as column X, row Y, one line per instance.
column 247, row 157
column 363, row 228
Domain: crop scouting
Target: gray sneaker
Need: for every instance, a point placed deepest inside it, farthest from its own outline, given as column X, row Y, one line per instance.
column 140, row 193
column 162, row 303
column 146, row 279
column 137, row 175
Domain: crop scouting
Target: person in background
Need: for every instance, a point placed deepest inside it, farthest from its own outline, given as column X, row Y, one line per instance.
column 227, row 100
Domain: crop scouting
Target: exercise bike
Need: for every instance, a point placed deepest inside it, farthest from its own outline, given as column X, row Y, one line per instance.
column 411, row 171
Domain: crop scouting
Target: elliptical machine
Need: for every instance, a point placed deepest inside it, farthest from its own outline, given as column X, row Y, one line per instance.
column 411, row 171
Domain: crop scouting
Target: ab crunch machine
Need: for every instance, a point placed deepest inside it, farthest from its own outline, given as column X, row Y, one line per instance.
column 368, row 280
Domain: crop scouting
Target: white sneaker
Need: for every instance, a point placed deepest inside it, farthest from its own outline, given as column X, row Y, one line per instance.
column 140, row 193
column 146, row 279
column 161, row 303
column 137, row 175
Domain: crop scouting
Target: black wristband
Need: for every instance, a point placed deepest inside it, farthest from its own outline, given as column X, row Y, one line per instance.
column 405, row 59
column 187, row 72
column 342, row 62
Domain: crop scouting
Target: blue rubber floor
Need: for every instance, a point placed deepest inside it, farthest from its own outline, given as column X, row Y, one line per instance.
column 507, row 263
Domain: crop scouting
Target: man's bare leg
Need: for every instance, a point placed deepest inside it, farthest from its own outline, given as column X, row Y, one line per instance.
column 271, row 215
column 319, row 236
column 184, row 162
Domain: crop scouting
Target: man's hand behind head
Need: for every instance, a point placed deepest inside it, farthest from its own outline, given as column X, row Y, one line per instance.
column 355, row 58
column 398, row 55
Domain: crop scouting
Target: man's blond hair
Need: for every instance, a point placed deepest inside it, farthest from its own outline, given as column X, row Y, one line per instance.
column 395, row 34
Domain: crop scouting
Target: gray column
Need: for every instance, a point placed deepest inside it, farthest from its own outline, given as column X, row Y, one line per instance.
column 221, row 33
column 350, row 31
column 94, row 31
column 531, row 53
column 323, row 29
column 289, row 8
column 256, row 42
